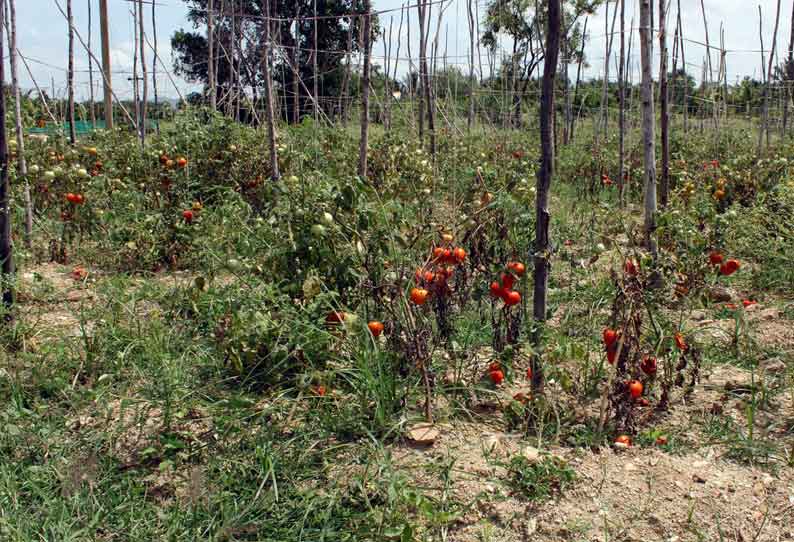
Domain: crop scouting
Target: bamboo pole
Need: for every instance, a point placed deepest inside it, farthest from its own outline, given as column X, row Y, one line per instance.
column 144, row 76
column 271, row 122
column 664, row 186
column 92, row 109
column 765, row 127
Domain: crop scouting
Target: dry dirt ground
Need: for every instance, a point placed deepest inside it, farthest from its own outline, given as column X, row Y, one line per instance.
column 637, row 494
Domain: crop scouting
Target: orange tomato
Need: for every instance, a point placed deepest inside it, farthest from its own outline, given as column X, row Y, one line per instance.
column 376, row 328
column 635, row 388
column 419, row 296
column 512, row 298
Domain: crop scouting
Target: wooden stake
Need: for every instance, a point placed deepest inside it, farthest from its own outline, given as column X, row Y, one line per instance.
column 364, row 142
column 6, row 254
column 92, row 109
column 155, row 59
column 648, row 128
column 145, row 76
column 663, row 103
column 70, row 74
column 765, row 127
column 622, row 106
column 11, row 28
column 271, row 121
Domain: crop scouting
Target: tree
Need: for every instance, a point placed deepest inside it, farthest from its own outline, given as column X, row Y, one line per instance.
column 545, row 174
column 191, row 49
column 524, row 23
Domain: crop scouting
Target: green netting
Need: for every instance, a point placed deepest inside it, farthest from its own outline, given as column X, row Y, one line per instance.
column 81, row 127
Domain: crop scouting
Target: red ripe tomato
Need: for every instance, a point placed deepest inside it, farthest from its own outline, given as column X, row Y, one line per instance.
column 648, row 365
column 438, row 253
column 748, row 303
column 79, row 199
column 429, row 276
column 497, row 377
column 729, row 267
column 610, row 336
column 188, row 216
column 319, row 390
column 517, row 267
column 635, row 388
column 512, row 298
column 494, row 366
column 376, row 328
column 716, row 257
column 496, row 290
column 419, row 296
column 181, row 162
column 447, row 257
column 459, row 254
column 71, row 198
column 631, row 267
column 624, row 440
column 507, row 281
column 680, row 342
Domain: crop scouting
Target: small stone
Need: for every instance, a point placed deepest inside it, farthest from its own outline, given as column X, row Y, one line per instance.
column 423, row 433
column 531, row 454
column 719, row 294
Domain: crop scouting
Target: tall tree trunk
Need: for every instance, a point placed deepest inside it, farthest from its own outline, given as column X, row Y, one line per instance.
column 6, row 254
column 364, row 142
column 648, row 127
column 271, row 121
column 92, row 110
column 622, row 107
column 144, row 75
column 663, row 103
column 545, row 175
column 11, row 28
column 70, row 73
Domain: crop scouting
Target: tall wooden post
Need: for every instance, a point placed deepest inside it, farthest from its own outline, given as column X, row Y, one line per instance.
column 622, row 106
column 70, row 73
column 6, row 254
column 271, row 122
column 663, row 103
column 107, row 85
column 765, row 127
column 155, row 59
column 364, row 143
column 92, row 110
column 144, row 75
column 648, row 125
column 545, row 174
column 210, row 52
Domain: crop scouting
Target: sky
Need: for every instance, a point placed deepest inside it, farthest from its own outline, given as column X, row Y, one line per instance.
column 42, row 39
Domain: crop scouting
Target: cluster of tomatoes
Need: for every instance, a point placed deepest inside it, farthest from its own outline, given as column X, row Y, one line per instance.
column 75, row 199
column 726, row 267
column 168, row 163
column 503, row 289
column 435, row 276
